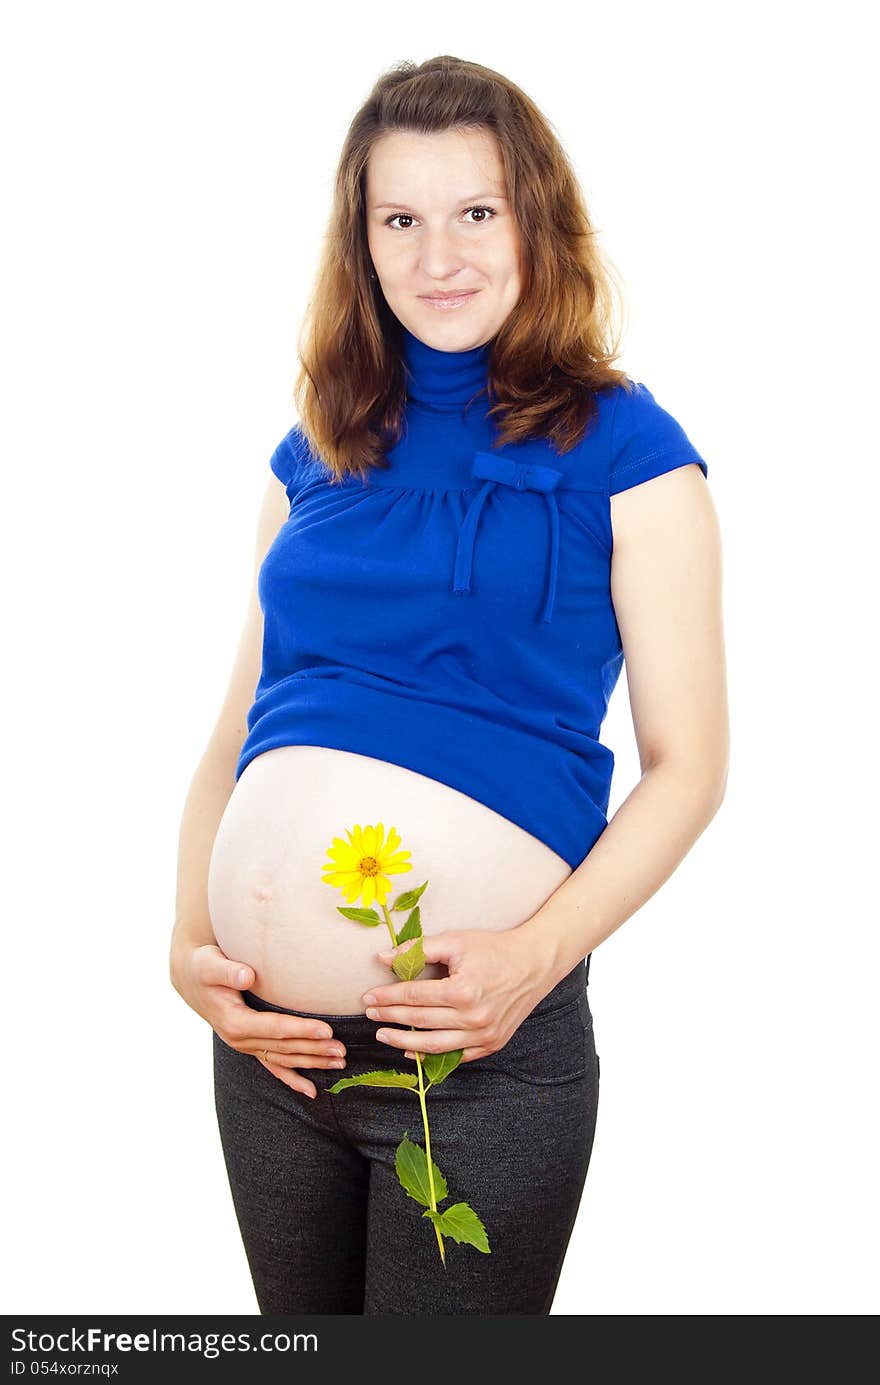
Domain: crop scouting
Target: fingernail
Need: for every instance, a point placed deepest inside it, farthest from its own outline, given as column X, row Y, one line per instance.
column 242, row 976
column 369, row 998
column 382, row 1035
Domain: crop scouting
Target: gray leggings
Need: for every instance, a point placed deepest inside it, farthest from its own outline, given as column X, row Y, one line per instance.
column 326, row 1225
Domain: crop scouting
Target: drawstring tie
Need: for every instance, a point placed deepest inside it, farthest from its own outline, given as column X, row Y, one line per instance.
column 493, row 467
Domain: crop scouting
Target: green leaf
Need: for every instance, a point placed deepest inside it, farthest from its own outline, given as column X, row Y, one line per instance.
column 377, row 1079
column 409, row 897
column 411, row 1163
column 366, row 916
column 462, row 1223
column 408, row 964
column 438, row 1066
column 412, row 928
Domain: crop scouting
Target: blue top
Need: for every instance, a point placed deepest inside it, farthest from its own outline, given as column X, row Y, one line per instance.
column 453, row 613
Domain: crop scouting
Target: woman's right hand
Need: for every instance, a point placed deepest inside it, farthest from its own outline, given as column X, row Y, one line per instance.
column 211, row 984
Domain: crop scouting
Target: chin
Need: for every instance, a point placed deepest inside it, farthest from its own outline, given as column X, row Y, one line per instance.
column 459, row 324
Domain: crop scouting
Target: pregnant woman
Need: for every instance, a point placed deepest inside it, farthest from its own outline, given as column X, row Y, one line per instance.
column 476, row 518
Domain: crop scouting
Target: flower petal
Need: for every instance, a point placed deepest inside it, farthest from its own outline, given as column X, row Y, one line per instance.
column 399, row 859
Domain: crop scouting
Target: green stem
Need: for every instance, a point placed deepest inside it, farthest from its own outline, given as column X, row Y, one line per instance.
column 390, row 926
column 422, row 1092
column 424, row 1107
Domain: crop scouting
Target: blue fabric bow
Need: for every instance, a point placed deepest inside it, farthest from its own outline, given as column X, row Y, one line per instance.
column 494, row 467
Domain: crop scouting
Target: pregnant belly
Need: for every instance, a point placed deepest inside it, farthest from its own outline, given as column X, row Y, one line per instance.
column 270, row 907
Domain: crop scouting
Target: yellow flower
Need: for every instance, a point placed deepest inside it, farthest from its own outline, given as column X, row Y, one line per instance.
column 364, row 862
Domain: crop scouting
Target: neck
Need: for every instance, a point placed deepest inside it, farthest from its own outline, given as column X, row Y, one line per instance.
column 443, row 378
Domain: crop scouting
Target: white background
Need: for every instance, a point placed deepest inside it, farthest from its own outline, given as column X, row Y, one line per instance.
column 167, row 171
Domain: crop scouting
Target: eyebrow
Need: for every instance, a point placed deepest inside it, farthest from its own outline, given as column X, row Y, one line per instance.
column 475, row 197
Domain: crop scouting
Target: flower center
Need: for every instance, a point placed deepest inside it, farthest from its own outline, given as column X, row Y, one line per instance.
column 369, row 865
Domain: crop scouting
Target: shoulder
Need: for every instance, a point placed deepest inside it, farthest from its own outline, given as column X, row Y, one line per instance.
column 285, row 460
column 293, row 458
column 644, row 438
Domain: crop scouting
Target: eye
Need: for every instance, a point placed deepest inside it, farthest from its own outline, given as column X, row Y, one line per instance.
column 490, row 210
column 408, row 216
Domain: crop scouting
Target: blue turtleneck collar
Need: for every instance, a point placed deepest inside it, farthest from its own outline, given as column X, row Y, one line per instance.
column 443, row 378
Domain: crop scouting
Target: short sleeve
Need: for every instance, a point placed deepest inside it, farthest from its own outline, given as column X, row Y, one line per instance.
column 646, row 441
column 285, row 459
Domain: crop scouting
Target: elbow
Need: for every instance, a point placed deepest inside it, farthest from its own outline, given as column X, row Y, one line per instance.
column 702, row 781
column 718, row 777
column 716, row 795
column 714, row 787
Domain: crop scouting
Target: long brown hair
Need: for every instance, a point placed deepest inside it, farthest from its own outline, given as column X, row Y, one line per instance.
column 557, row 345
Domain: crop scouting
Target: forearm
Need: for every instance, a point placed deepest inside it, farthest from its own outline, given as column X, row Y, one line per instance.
column 206, row 801
column 649, row 835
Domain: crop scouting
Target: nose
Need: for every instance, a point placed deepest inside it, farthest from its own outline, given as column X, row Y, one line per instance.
column 440, row 258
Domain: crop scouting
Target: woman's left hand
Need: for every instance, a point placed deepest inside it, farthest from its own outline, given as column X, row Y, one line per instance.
column 495, row 980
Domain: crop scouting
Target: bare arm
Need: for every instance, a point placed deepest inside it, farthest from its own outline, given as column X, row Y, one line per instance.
column 214, row 777
column 666, row 588
column 201, row 973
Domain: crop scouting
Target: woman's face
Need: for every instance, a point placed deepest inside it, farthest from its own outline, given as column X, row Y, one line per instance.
column 439, row 223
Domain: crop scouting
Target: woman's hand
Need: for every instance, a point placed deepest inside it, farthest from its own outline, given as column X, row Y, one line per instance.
column 495, row 980
column 211, row 984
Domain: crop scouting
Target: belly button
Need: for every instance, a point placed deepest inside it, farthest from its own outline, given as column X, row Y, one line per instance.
column 263, row 893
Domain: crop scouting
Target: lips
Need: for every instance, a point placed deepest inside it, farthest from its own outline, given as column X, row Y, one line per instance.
column 463, row 293
column 449, row 300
